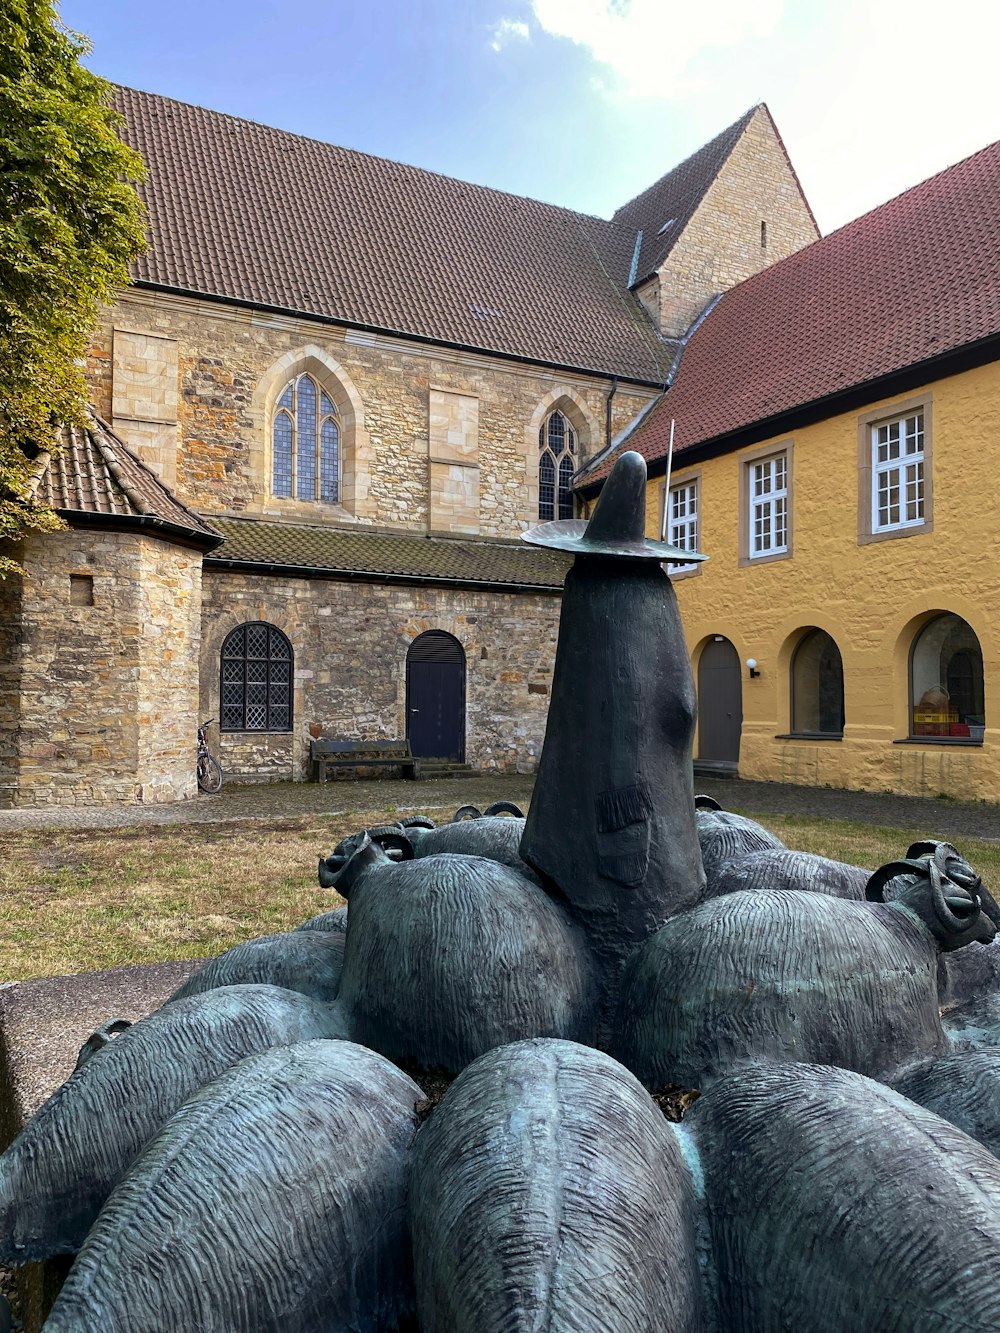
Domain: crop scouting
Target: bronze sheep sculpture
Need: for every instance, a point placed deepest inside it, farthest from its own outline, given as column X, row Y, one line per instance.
column 259, row 1155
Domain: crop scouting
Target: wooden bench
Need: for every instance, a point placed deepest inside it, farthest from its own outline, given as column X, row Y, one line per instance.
column 360, row 754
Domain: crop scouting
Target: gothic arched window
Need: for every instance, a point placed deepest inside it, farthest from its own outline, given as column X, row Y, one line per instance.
column 305, row 439
column 256, row 685
column 556, row 465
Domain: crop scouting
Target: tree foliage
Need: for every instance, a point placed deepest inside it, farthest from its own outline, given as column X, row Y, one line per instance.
column 70, row 221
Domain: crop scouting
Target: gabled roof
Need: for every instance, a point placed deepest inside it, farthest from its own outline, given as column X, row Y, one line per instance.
column 257, row 215
column 903, row 290
column 663, row 211
column 94, row 477
column 323, row 551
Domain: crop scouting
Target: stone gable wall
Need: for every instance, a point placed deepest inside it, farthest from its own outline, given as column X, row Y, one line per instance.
column 232, row 365
column 721, row 245
column 350, row 641
column 107, row 688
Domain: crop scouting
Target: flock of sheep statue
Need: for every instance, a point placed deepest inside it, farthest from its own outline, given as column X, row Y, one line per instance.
column 259, row 1155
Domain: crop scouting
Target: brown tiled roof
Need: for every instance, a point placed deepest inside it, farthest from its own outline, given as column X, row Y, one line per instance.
column 258, row 215
column 94, row 475
column 364, row 553
column 674, row 198
column 892, row 292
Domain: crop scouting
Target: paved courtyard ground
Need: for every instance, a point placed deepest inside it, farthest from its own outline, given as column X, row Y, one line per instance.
column 925, row 815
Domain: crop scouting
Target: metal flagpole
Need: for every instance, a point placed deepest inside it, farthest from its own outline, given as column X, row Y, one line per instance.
column 666, row 484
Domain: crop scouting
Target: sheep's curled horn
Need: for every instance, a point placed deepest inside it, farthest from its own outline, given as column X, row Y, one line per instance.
column 957, row 901
column 390, row 838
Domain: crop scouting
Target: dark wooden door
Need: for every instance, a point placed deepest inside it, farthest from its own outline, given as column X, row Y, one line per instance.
column 720, row 703
column 435, row 696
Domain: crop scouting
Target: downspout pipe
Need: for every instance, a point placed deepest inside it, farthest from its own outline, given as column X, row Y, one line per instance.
column 607, row 411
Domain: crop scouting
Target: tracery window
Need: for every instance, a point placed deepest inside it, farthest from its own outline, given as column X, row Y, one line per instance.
column 305, row 440
column 256, row 684
column 556, row 466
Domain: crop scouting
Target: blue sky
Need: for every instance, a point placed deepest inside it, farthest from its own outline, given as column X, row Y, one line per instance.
column 582, row 102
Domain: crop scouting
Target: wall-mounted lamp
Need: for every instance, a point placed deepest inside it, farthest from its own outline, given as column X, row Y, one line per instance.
column 752, row 665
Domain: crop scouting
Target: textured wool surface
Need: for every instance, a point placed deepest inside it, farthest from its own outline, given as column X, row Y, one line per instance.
column 307, row 961
column 772, row 869
column 835, row 1204
column 548, row 1192
column 963, row 1088
column 59, row 1171
column 724, row 837
column 273, row 1201
column 780, row 976
column 335, row 921
column 494, row 836
column 449, row 956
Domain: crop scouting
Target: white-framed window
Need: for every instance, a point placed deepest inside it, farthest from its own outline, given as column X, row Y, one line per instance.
column 682, row 521
column 898, row 473
column 768, row 506
column 305, row 440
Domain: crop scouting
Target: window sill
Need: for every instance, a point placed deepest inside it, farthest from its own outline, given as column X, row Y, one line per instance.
column 960, row 741
column 810, row 736
column 285, row 731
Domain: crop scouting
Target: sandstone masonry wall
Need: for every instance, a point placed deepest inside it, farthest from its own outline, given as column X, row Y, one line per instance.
column 350, row 642
column 722, row 244
column 233, row 364
column 105, row 648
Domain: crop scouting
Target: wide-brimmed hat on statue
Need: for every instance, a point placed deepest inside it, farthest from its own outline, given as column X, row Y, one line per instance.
column 617, row 526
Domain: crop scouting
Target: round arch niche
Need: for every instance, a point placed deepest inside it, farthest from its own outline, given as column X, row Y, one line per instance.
column 435, row 696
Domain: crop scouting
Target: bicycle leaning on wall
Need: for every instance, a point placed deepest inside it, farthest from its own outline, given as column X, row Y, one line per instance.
column 209, row 768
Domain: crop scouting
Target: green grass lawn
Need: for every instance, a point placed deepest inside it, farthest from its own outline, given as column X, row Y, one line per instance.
column 80, row 900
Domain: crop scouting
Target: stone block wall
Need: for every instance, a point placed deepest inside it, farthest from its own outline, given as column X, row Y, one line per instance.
column 105, row 646
column 723, row 243
column 350, row 641
column 392, row 397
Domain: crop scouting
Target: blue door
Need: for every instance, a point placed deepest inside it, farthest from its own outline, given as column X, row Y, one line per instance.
column 435, row 696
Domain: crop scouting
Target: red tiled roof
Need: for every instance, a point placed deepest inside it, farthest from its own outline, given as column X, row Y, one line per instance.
column 258, row 215
column 674, row 198
column 94, row 473
column 912, row 280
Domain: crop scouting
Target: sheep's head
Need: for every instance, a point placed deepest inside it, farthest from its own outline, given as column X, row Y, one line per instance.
column 359, row 851
column 936, row 884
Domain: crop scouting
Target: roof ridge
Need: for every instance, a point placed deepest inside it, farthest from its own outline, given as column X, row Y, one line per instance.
column 729, row 129
column 371, row 157
column 133, row 495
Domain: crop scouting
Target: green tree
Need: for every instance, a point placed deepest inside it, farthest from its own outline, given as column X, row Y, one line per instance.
column 70, row 221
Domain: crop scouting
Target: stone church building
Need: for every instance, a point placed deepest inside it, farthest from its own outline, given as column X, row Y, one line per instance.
column 335, row 392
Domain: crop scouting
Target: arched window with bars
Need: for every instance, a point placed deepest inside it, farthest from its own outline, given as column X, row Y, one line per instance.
column 256, row 685
column 556, row 466
column 305, row 443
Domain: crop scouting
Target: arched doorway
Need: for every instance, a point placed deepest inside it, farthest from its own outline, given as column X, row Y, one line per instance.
column 435, row 696
column 720, row 706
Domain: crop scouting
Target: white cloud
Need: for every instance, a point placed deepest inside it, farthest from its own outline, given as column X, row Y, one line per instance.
column 507, row 31
column 650, row 47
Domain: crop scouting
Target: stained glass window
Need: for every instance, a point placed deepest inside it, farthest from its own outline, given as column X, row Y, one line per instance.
column 256, row 679
column 557, row 446
column 305, row 439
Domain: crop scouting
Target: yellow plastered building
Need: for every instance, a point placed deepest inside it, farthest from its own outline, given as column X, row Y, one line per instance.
column 836, row 421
